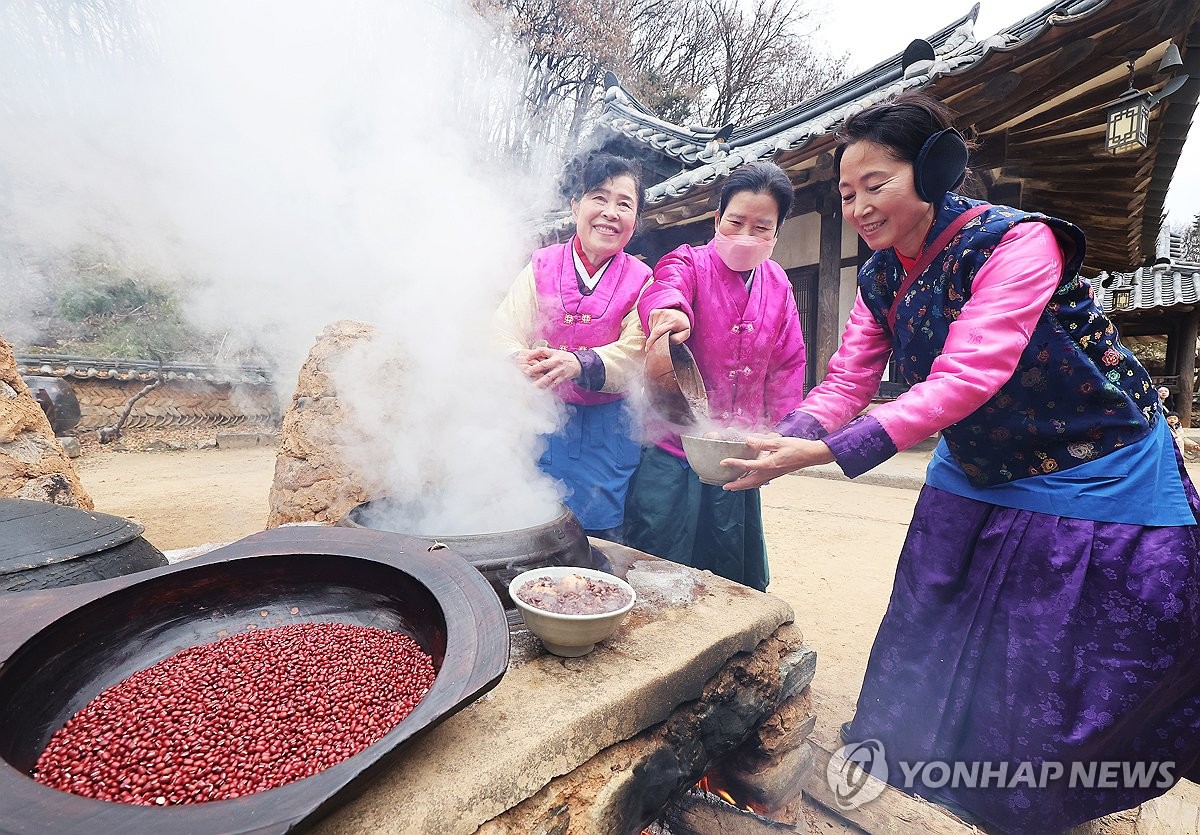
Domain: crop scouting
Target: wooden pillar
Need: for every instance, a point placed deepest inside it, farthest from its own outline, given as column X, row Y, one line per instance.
column 829, row 284
column 1175, row 328
column 1187, row 366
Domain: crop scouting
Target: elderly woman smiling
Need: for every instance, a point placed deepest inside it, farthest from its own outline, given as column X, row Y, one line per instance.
column 1046, row 607
column 570, row 322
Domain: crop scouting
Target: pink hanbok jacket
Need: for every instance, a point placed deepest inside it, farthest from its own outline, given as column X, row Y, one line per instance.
column 1009, row 294
column 748, row 345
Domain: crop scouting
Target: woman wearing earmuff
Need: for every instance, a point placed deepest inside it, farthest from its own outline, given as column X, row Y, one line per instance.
column 735, row 309
column 1046, row 606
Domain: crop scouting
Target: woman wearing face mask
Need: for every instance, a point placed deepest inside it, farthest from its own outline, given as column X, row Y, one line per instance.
column 735, row 309
column 570, row 322
column 1046, row 608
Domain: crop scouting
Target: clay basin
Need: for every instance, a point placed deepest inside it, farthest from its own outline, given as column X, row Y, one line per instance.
column 60, row 647
column 570, row 636
column 704, row 455
column 673, row 383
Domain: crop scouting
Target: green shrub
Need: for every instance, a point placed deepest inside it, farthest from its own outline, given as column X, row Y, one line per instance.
column 112, row 298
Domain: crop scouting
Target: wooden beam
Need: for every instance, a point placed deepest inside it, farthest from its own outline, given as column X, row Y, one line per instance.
column 652, row 244
column 1007, row 194
column 1106, row 164
column 1102, row 184
column 992, row 151
column 893, row 811
column 1038, row 81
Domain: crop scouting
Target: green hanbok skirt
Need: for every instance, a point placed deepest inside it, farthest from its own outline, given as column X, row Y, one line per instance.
column 671, row 514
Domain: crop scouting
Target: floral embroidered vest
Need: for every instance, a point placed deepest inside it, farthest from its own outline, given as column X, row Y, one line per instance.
column 571, row 321
column 1076, row 394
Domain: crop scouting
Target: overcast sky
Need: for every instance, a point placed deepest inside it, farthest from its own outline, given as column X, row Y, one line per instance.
column 875, row 29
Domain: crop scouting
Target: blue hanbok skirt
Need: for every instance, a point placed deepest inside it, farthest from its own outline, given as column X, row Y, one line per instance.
column 594, row 455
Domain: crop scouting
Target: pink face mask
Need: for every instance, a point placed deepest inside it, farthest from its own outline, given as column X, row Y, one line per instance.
column 743, row 252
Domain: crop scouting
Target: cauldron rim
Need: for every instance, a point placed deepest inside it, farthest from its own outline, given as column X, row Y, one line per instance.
column 350, row 520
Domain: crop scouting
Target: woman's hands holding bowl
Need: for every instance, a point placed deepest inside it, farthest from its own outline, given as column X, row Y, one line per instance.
column 777, row 456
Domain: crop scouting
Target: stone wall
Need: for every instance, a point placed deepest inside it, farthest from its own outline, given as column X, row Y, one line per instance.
column 312, row 481
column 32, row 462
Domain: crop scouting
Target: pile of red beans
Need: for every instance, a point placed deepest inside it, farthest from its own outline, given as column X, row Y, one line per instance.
column 248, row 713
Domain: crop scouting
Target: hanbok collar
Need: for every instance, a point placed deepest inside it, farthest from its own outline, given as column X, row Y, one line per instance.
column 591, row 268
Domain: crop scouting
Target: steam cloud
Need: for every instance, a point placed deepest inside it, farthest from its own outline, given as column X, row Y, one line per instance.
column 294, row 163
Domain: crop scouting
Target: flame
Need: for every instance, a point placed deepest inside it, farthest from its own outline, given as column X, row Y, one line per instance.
column 709, row 784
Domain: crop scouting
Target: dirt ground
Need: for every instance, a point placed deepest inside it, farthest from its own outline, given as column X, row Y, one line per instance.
column 183, row 498
column 833, row 544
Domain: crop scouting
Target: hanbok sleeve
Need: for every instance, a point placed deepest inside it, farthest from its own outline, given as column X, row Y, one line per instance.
column 673, row 285
column 513, row 320
column 623, row 359
column 851, row 380
column 982, row 349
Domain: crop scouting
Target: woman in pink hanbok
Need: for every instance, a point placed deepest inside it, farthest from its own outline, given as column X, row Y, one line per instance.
column 570, row 322
column 735, row 309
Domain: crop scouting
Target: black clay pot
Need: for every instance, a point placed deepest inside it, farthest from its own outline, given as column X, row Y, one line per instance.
column 58, row 401
column 502, row 555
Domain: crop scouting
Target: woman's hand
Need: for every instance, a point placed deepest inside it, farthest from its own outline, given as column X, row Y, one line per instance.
column 550, row 367
column 668, row 320
column 777, row 456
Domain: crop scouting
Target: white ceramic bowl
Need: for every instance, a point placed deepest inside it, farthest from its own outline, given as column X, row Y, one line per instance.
column 570, row 635
column 705, row 456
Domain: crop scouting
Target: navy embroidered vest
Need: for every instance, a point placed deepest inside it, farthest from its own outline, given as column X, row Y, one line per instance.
column 1076, row 393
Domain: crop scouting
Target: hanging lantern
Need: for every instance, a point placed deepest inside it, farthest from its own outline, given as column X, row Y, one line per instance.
column 1128, row 123
column 1122, row 299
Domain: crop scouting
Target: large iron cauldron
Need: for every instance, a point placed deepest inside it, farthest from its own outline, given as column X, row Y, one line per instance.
column 502, row 555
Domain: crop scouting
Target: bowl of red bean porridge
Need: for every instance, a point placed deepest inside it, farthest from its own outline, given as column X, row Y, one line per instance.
column 571, row 609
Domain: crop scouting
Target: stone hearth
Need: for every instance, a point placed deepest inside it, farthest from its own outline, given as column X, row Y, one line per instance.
column 603, row 743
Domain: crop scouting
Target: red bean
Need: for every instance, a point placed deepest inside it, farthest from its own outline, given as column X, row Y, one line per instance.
column 247, row 713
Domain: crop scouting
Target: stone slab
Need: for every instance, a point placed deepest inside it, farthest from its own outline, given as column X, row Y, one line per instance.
column 550, row 715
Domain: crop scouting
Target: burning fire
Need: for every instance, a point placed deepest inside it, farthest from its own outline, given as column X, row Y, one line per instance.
column 712, row 784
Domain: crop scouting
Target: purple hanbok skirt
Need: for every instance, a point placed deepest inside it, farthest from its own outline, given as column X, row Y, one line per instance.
column 1018, row 637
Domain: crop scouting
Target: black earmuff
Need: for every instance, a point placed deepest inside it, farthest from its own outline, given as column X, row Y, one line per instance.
column 941, row 165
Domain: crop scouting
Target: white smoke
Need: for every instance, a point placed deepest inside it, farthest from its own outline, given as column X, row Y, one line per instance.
column 293, row 163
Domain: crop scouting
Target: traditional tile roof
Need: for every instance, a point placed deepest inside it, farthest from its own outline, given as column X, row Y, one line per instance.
column 956, row 51
column 1034, row 92
column 705, row 157
column 1151, row 288
column 122, row 370
column 954, row 47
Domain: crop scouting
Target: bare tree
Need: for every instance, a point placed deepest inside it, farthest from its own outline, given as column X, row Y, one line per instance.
column 690, row 61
